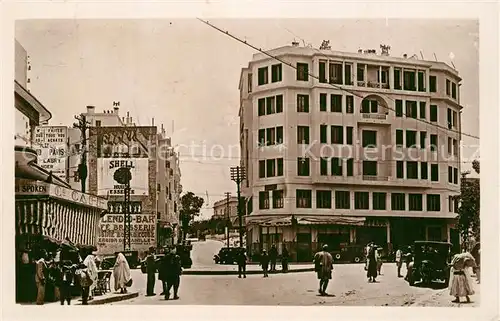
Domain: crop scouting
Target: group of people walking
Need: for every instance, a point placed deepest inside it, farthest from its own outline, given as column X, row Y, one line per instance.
column 169, row 273
column 267, row 261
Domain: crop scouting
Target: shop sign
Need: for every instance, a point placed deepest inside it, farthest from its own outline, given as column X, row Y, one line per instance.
column 77, row 197
column 106, row 184
column 29, row 187
column 51, row 144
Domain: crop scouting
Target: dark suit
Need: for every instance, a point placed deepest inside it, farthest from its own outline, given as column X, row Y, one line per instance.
column 151, row 272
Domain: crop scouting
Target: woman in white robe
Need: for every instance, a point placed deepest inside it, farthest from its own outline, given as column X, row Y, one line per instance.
column 121, row 273
column 460, row 277
column 89, row 262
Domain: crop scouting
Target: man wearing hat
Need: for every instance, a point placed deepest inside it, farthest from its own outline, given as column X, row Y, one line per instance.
column 151, row 272
column 323, row 265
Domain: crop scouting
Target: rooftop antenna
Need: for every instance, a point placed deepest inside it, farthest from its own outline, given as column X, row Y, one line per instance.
column 435, row 57
column 452, row 56
column 422, row 55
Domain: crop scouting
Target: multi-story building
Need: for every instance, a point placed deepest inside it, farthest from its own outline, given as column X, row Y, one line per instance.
column 347, row 148
column 227, row 210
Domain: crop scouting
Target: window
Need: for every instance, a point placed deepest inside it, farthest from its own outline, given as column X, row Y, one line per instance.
column 361, row 72
column 264, row 200
column 397, row 79
column 374, row 106
column 411, row 109
column 434, row 113
column 97, row 123
column 322, row 102
column 450, row 121
column 262, row 106
column 350, row 167
column 336, row 166
column 448, row 83
column 342, row 200
column 302, row 134
column 399, row 137
column 323, row 134
column 323, row 164
column 302, row 71
column 400, row 169
column 278, row 198
column 421, row 84
column 349, row 102
column 382, row 76
column 271, row 106
column 399, row 108
column 450, row 146
column 279, row 103
column 365, row 106
column 279, row 135
column 276, row 71
column 432, row 84
column 158, row 187
column 361, row 200
column 271, row 136
column 424, row 170
column 322, row 72
column 398, row 202
column 434, row 172
column 455, row 147
column 379, row 201
column 454, row 91
column 415, row 202
column 411, row 139
column 454, row 119
column 262, row 137
column 450, row 174
column 455, row 176
column 303, row 103
column 323, row 199
column 434, row 142
column 409, row 80
column 279, row 163
column 349, row 131
column 369, row 138
column 336, row 73
column 423, row 136
column 337, row 133
column 433, row 202
column 411, row 170
column 271, row 167
column 422, row 110
column 303, row 166
column 348, row 74
column 303, row 198
column 263, row 76
column 262, row 169
column 370, row 168
column 250, row 83
column 336, row 103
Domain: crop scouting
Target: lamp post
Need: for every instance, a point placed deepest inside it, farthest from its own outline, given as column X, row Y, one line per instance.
column 123, row 176
column 238, row 175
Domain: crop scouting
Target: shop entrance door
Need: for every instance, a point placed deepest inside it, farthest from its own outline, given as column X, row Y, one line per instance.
column 304, row 247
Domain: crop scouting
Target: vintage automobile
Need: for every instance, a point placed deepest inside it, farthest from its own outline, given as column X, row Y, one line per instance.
column 227, row 255
column 430, row 262
column 351, row 253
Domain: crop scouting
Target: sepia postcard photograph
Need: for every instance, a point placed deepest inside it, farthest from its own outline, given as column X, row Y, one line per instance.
column 249, row 161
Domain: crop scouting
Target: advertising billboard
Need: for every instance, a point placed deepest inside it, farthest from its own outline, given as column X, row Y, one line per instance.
column 106, row 184
column 51, row 144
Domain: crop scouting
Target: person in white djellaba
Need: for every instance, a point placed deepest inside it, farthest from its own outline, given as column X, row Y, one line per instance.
column 461, row 284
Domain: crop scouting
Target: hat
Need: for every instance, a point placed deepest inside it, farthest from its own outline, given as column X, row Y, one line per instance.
column 325, row 247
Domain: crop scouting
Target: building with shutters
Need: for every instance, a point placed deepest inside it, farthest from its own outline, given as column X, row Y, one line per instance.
column 347, row 148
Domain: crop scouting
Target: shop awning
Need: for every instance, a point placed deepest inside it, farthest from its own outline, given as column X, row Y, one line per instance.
column 309, row 220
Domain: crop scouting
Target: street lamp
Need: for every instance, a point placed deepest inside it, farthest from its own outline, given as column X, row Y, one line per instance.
column 238, row 175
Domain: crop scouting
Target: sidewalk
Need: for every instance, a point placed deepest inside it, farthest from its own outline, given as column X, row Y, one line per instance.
column 443, row 299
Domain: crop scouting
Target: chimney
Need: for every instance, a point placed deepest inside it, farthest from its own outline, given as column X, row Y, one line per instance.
column 405, row 56
column 360, row 50
column 152, row 121
column 295, row 44
column 90, row 109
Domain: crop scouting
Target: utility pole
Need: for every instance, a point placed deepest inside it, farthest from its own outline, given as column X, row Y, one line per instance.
column 238, row 175
column 82, row 167
column 124, row 176
column 227, row 217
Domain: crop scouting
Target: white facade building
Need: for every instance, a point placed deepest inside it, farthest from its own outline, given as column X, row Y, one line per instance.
column 348, row 148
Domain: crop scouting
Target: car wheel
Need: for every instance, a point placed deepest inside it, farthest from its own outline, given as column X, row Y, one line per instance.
column 337, row 256
column 357, row 259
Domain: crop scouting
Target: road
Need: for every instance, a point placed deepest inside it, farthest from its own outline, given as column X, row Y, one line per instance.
column 203, row 252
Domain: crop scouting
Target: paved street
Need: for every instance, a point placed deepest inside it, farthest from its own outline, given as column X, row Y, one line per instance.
column 203, row 252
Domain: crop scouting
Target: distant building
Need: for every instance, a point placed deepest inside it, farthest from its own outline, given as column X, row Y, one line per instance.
column 379, row 162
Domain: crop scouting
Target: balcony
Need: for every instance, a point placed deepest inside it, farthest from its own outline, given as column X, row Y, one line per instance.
column 374, row 116
column 374, row 178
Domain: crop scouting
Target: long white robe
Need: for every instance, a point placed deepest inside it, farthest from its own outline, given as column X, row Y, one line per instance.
column 121, row 272
column 92, row 271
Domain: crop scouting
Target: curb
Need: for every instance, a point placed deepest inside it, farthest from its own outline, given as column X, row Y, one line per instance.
column 112, row 299
column 235, row 272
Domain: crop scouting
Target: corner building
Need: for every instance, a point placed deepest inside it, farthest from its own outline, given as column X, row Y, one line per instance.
column 348, row 148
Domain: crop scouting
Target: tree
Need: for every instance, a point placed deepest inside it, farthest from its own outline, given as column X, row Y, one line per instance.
column 468, row 211
column 190, row 208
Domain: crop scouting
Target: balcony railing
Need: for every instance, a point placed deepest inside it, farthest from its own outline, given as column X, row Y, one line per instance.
column 361, row 83
column 373, row 84
column 375, row 178
column 375, row 116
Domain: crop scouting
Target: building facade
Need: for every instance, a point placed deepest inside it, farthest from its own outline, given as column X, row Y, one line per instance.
column 227, row 210
column 348, row 148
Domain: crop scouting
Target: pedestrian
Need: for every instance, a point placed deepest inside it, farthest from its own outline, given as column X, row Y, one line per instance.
column 151, row 272
column 460, row 279
column 85, row 282
column 372, row 264
column 89, row 262
column 66, row 280
column 378, row 257
column 173, row 274
column 273, row 256
column 323, row 265
column 162, row 270
column 399, row 261
column 367, row 250
column 476, row 253
column 40, row 277
column 121, row 273
column 242, row 263
column 284, row 260
column 264, row 262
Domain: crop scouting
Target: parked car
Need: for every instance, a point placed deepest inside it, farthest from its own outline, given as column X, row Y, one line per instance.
column 352, row 253
column 107, row 262
column 227, row 255
column 430, row 262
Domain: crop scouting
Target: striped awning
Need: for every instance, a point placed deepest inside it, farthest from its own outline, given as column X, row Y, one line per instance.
column 57, row 219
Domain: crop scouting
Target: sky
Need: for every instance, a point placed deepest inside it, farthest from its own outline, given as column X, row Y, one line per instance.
column 186, row 74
